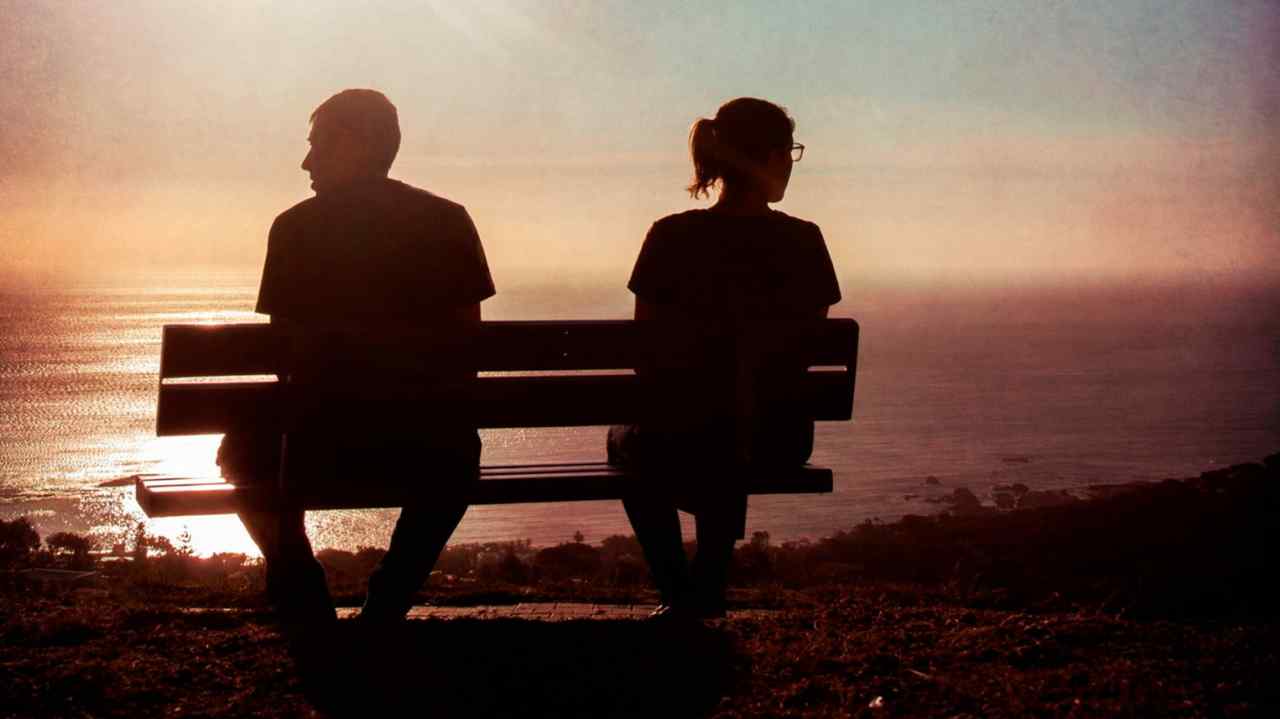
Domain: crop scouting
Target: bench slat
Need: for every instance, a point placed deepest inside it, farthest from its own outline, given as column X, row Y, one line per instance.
column 218, row 350
column 597, row 482
column 255, row 349
column 497, row 402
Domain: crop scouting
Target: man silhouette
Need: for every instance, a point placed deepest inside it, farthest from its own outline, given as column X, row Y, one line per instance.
column 372, row 260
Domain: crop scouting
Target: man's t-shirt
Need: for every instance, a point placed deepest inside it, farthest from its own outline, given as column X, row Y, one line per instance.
column 709, row 275
column 383, row 253
column 361, row 266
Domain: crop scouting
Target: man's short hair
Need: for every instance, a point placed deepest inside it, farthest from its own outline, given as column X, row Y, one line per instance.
column 370, row 116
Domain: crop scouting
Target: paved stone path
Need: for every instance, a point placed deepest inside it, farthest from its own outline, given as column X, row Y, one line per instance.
column 532, row 611
column 541, row 611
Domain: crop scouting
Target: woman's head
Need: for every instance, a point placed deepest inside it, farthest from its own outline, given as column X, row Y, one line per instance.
column 747, row 143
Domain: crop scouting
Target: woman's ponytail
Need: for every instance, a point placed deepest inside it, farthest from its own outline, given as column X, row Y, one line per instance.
column 743, row 135
column 706, row 163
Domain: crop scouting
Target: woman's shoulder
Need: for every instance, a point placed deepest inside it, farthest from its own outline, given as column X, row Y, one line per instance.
column 701, row 217
column 794, row 224
column 681, row 221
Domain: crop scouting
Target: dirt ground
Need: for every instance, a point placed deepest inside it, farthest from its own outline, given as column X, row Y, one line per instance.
column 874, row 650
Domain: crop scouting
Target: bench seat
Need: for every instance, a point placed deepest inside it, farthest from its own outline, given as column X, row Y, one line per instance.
column 220, row 378
column 167, row 496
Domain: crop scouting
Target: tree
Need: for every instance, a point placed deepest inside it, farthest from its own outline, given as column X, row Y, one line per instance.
column 565, row 561
column 617, row 545
column 77, row 545
column 143, row 543
column 18, row 539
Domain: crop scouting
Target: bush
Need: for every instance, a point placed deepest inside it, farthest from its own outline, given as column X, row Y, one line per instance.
column 77, row 545
column 18, row 539
column 507, row 569
column 619, row 546
column 568, row 561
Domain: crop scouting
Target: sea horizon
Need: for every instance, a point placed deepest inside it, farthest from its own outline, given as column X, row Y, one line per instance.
column 1056, row 386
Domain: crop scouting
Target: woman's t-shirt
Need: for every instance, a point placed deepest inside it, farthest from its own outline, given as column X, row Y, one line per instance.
column 708, row 275
column 733, row 268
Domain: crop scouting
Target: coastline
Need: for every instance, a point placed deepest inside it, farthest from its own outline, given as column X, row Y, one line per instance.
column 1151, row 600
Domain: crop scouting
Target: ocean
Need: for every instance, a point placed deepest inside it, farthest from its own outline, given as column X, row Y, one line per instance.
column 1055, row 385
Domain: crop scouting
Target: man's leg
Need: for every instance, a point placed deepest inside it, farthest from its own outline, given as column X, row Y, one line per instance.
column 295, row 579
column 416, row 543
column 424, row 528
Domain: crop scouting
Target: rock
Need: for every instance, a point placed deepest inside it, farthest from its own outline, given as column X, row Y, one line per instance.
column 1037, row 499
column 965, row 501
column 1232, row 479
column 1104, row 491
column 1004, row 500
column 931, row 481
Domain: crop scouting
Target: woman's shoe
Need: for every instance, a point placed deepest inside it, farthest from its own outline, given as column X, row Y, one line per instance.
column 672, row 614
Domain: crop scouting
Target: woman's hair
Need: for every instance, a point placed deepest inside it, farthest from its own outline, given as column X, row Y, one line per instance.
column 745, row 129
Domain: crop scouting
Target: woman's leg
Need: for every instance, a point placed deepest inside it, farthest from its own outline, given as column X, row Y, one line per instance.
column 652, row 512
column 657, row 528
column 718, row 527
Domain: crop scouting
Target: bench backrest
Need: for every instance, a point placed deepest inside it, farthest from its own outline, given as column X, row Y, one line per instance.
column 524, row 380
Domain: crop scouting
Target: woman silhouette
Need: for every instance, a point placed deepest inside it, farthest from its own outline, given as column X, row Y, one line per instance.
column 703, row 276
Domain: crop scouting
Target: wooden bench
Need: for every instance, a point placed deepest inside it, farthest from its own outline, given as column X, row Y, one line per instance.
column 215, row 378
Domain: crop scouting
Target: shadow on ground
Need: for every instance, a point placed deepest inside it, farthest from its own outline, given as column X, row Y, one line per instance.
column 466, row 667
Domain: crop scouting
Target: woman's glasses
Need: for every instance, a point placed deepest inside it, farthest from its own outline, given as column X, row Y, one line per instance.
column 797, row 152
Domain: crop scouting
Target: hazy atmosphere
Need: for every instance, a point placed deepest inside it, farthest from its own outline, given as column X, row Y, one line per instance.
column 1043, row 472
column 953, row 142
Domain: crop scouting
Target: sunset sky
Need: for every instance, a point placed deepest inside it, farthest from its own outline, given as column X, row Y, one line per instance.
column 957, row 141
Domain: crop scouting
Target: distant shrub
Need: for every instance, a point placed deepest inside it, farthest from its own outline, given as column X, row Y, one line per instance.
column 77, row 546
column 18, row 539
column 368, row 557
column 618, row 546
column 568, row 561
column 508, row 568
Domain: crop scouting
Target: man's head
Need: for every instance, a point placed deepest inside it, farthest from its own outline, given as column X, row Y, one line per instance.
column 354, row 137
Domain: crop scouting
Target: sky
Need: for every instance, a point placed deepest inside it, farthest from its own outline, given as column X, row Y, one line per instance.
column 961, row 142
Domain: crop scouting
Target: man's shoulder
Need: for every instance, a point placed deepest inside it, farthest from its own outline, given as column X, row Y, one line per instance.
column 401, row 196
column 423, row 199
column 297, row 213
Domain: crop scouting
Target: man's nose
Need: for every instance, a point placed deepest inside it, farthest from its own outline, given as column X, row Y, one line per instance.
column 306, row 162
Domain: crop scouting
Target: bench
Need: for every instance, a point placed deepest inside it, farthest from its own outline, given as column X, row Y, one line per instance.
column 216, row 378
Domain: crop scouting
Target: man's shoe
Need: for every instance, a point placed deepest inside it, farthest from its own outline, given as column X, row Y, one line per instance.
column 380, row 610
